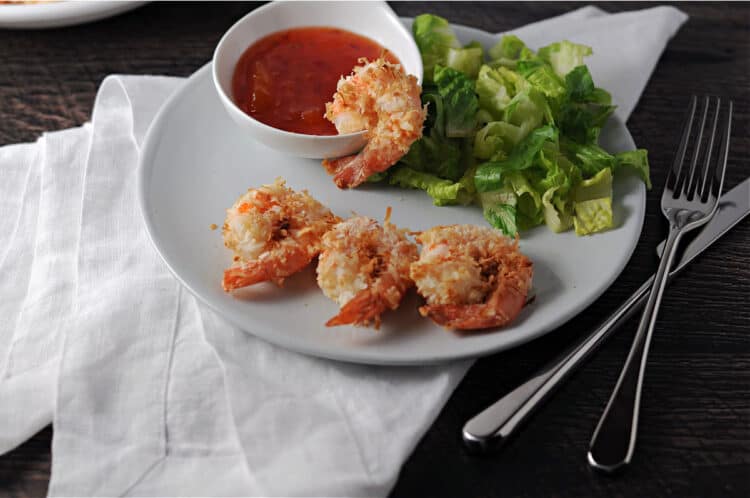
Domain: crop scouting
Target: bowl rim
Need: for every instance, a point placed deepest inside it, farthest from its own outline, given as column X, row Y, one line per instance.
column 228, row 100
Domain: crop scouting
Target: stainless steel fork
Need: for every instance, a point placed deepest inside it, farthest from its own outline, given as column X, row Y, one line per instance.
column 689, row 200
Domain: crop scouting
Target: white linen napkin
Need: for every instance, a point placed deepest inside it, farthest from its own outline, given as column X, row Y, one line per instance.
column 152, row 393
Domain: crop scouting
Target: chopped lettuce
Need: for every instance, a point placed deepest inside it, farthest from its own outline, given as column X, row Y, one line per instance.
column 496, row 139
column 377, row 177
column 467, row 60
column 541, row 76
column 499, row 209
column 460, row 103
column 528, row 109
column 593, row 216
column 579, row 85
column 589, row 158
column 557, row 215
column 586, row 107
column 489, row 176
column 583, row 122
column 435, row 38
column 517, row 134
column 509, row 50
column 497, row 87
column 638, row 161
column 593, row 204
column 435, row 155
column 443, row 192
column 564, row 56
column 528, row 202
column 594, row 188
column 451, row 122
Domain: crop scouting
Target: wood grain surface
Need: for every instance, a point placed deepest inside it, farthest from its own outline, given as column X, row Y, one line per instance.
column 694, row 435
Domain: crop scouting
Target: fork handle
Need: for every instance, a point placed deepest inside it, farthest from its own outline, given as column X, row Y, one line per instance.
column 613, row 441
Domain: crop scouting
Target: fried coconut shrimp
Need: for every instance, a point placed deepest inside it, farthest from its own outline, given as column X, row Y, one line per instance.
column 472, row 277
column 364, row 267
column 274, row 233
column 381, row 98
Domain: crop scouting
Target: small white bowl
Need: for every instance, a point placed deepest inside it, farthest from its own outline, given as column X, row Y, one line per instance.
column 375, row 20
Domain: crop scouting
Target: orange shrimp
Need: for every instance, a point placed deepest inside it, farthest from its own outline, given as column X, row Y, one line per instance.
column 381, row 98
column 364, row 267
column 471, row 277
column 274, row 233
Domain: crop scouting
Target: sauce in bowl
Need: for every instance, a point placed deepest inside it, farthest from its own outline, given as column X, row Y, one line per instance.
column 285, row 79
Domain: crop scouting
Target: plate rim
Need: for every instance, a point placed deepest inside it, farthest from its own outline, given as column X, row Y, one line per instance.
column 62, row 14
column 354, row 355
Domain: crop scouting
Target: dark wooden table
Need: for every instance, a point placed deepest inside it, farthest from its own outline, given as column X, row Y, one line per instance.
column 695, row 421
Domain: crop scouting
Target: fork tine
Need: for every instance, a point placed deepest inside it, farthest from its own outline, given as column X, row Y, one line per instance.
column 688, row 180
column 701, row 186
column 717, row 180
column 674, row 173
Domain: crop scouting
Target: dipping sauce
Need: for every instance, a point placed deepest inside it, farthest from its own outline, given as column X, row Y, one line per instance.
column 285, row 79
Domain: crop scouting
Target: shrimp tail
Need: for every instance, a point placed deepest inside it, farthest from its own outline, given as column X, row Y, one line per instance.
column 333, row 166
column 367, row 305
column 246, row 275
column 267, row 270
column 348, row 172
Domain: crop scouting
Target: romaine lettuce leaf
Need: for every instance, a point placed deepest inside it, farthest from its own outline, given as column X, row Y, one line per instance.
column 435, row 38
column 435, row 121
column 468, row 60
column 499, row 209
column 583, row 122
column 377, row 177
column 529, row 203
column 542, row 77
column 636, row 159
column 510, row 48
column 558, row 215
column 460, row 104
column 589, row 158
column 452, row 109
column 564, row 56
column 496, row 88
column 443, row 192
column 528, row 110
column 593, row 216
column 586, row 108
column 496, row 139
column 489, row 175
column 436, row 155
column 593, row 203
column 580, row 87
column 557, row 171
column 596, row 187
column 579, row 84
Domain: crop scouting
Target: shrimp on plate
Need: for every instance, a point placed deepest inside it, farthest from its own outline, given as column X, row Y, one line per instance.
column 364, row 267
column 274, row 233
column 471, row 277
column 381, row 98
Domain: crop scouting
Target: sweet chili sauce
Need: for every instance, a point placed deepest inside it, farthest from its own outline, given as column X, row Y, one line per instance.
column 285, row 79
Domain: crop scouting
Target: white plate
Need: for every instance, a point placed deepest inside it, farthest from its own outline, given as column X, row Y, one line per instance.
column 196, row 162
column 59, row 14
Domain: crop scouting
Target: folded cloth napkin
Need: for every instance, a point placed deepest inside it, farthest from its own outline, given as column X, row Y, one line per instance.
column 151, row 393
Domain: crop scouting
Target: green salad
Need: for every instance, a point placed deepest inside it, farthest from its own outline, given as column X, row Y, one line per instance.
column 514, row 131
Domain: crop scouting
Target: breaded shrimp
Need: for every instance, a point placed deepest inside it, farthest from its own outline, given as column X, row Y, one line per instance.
column 381, row 98
column 364, row 267
column 274, row 232
column 471, row 277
